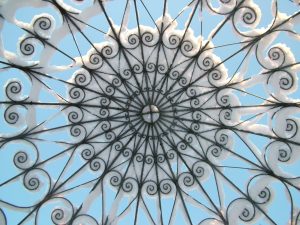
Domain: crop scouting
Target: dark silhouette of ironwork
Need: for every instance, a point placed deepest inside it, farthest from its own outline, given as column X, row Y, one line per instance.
column 154, row 114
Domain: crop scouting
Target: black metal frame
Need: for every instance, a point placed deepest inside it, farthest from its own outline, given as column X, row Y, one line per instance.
column 187, row 133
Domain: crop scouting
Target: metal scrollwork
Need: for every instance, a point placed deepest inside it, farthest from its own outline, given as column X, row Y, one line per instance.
column 114, row 112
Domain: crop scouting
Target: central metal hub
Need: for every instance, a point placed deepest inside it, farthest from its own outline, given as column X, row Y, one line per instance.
column 150, row 113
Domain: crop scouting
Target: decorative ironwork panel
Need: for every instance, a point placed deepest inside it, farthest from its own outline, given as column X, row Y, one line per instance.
column 149, row 112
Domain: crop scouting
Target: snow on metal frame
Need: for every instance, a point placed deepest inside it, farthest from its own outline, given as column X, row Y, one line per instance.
column 150, row 126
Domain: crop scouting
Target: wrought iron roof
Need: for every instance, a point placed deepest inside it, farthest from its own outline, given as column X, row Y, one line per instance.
column 149, row 112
